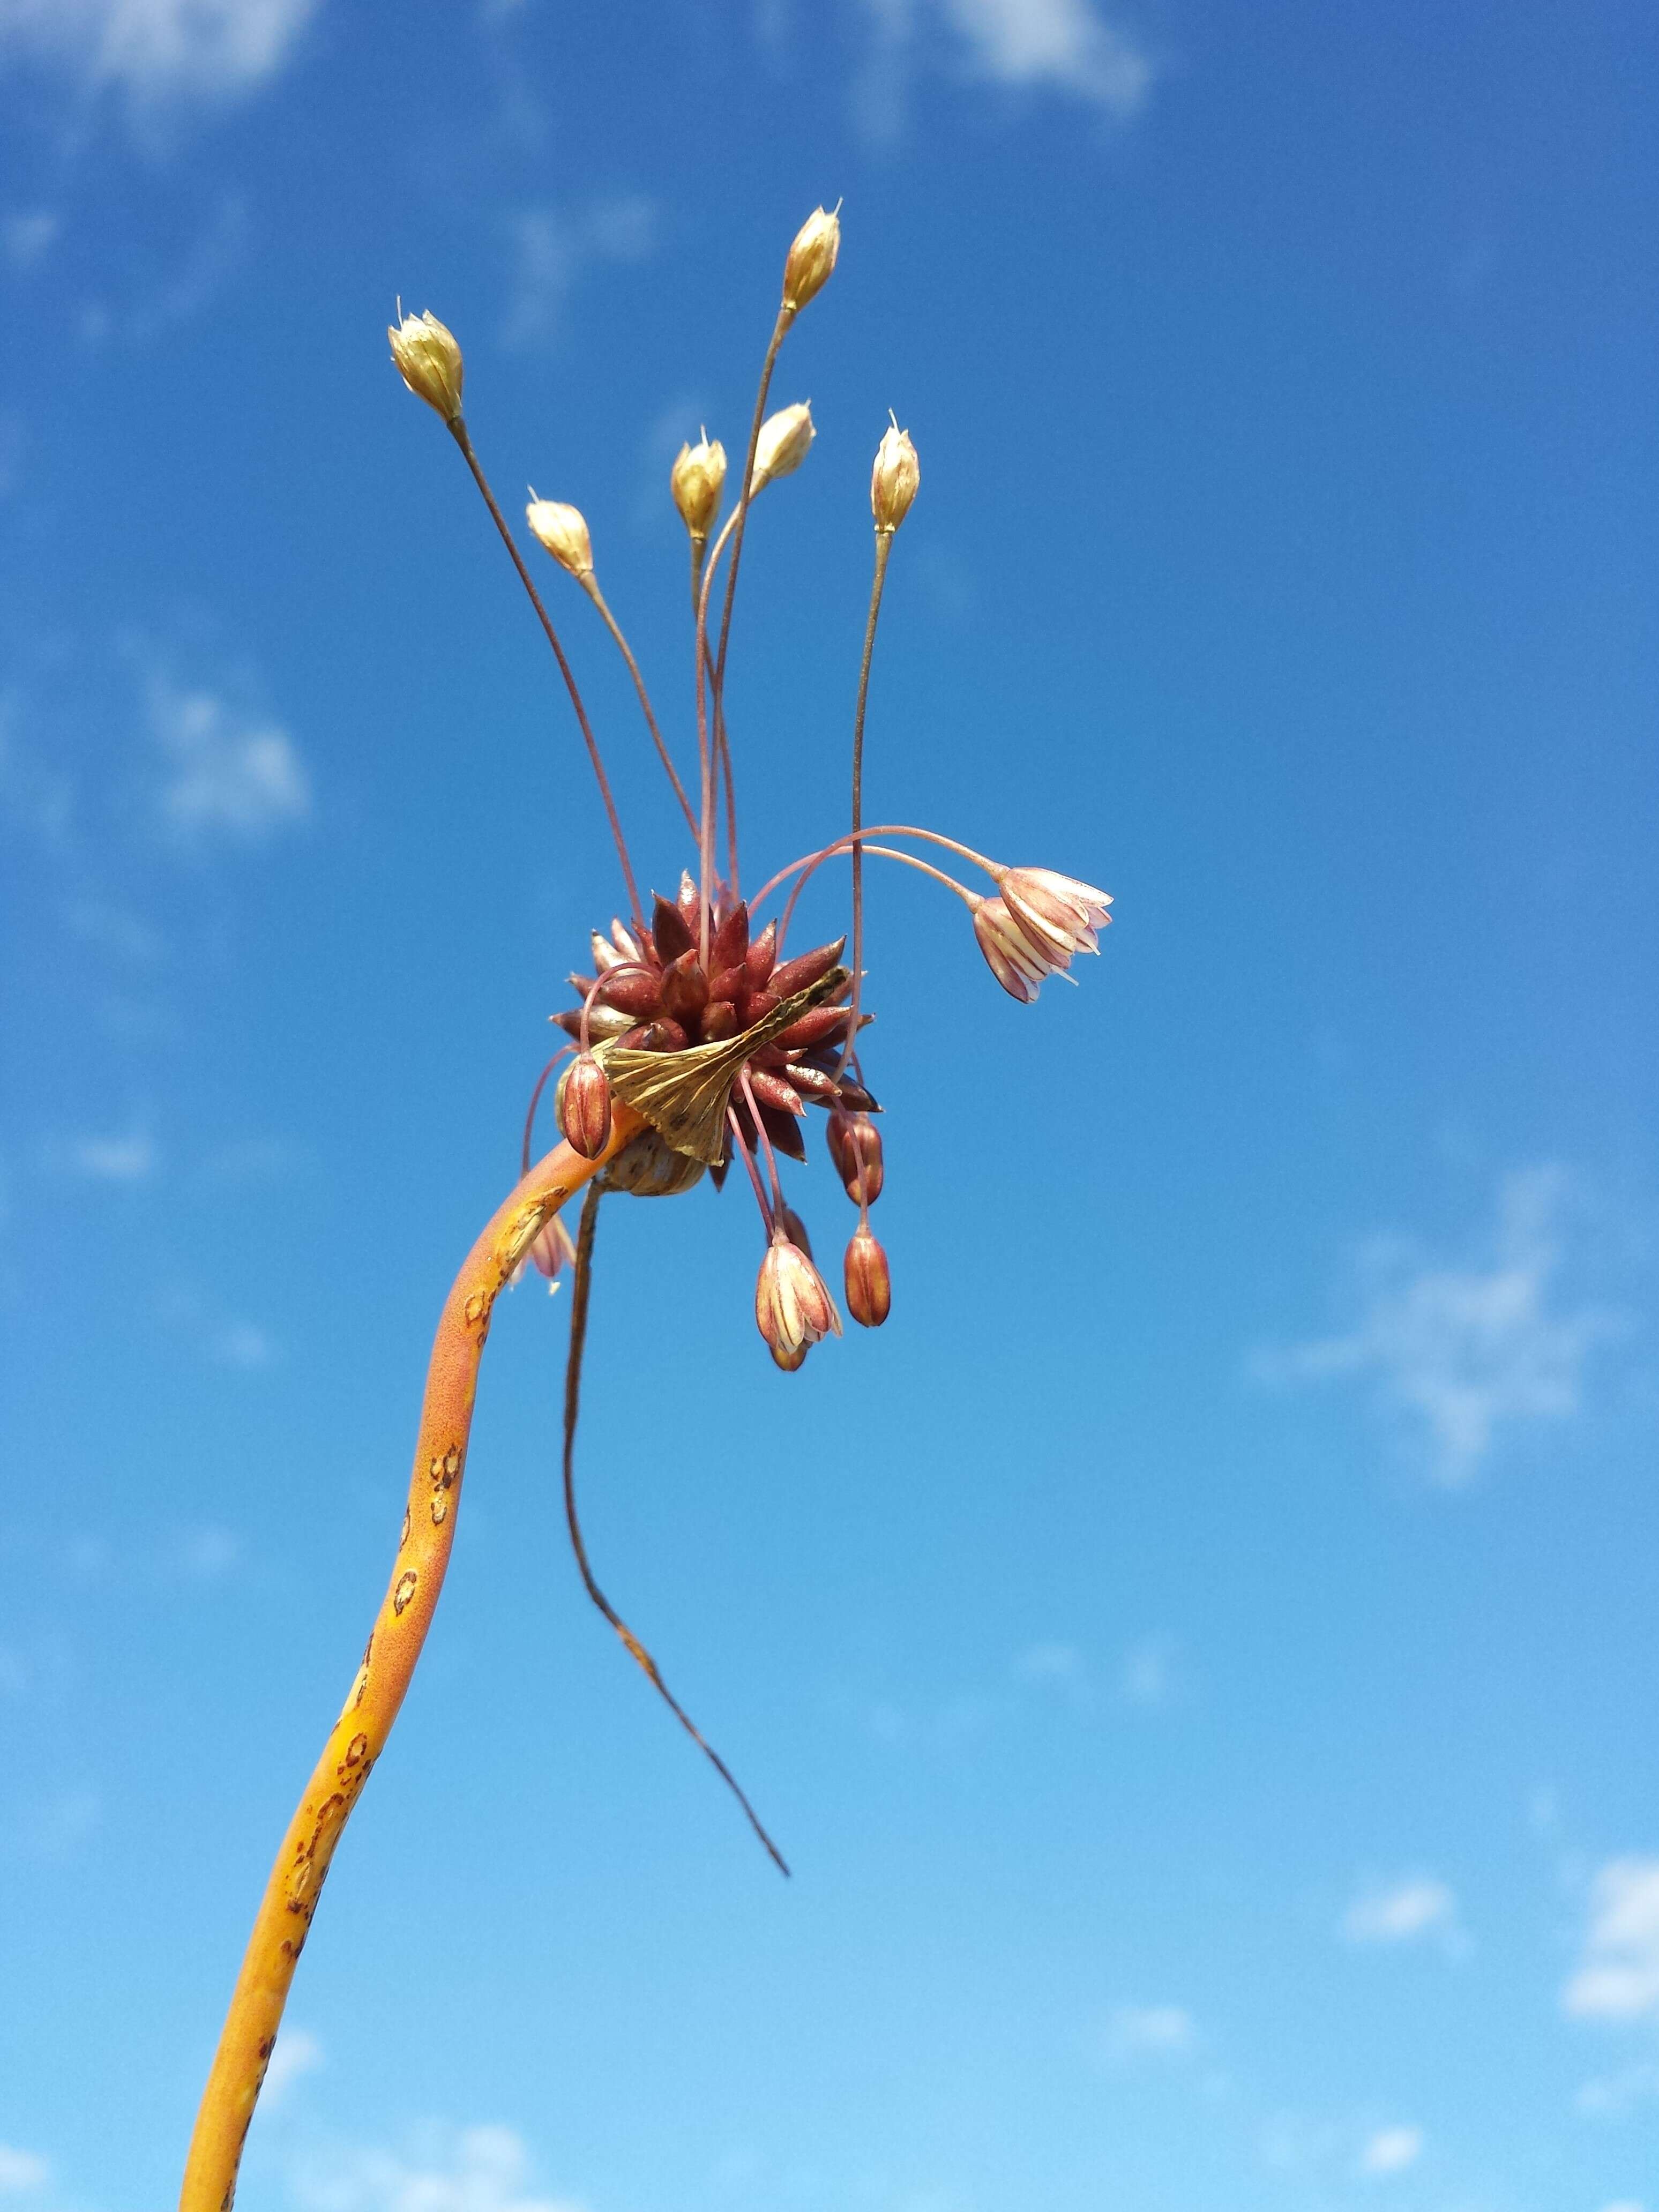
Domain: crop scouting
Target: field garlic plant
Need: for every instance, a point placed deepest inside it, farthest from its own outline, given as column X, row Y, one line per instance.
column 697, row 1041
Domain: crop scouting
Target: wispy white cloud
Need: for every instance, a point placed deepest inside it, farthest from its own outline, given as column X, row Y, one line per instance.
column 1466, row 1351
column 298, row 2053
column 176, row 293
column 1408, row 1911
column 156, row 52
column 1155, row 2031
column 1390, row 2150
column 1070, row 46
column 1613, row 2095
column 225, row 773
column 552, row 247
column 1149, row 1676
column 26, row 237
column 129, row 1158
column 484, row 2169
column 1617, row 1977
column 21, row 2171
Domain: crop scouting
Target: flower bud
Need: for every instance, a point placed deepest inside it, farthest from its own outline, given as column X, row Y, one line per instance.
column 810, row 259
column 793, row 1308
column 428, row 361
column 584, row 1104
column 894, row 479
column 563, row 533
column 855, row 1145
column 784, row 438
column 869, row 1285
column 697, row 480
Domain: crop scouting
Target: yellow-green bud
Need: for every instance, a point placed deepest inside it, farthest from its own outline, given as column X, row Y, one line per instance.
column 810, row 259
column 564, row 532
column 429, row 362
column 783, row 445
column 894, row 479
column 697, row 480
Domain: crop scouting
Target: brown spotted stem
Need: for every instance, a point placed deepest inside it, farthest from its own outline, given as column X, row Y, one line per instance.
column 359, row 1736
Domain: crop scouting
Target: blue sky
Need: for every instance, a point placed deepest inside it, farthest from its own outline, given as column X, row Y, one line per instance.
column 1200, row 1657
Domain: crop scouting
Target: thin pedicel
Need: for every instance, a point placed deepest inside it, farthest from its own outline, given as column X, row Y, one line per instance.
column 695, row 1040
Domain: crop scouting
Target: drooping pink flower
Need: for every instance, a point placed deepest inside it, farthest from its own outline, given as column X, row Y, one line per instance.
column 793, row 1311
column 1012, row 957
column 1058, row 915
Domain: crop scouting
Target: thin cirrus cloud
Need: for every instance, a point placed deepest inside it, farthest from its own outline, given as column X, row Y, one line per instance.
column 479, row 2169
column 1390, row 2150
column 21, row 2171
column 1067, row 46
column 158, row 53
column 225, row 774
column 1149, row 2032
column 1465, row 1354
column 551, row 248
column 1410, row 1911
column 1617, row 1977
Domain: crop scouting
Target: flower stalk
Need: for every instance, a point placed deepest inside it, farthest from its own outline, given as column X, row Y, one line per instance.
column 359, row 1736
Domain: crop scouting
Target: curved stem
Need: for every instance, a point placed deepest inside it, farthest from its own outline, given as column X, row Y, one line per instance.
column 882, row 852
column 459, row 430
column 582, row 1289
column 876, row 829
column 359, row 1736
column 535, row 1100
column 591, row 586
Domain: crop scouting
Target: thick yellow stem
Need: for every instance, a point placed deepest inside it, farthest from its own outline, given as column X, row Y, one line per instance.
column 359, row 1736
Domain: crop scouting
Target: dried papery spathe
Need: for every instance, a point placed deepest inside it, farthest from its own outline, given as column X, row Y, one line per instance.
column 894, row 479
column 783, row 445
column 696, row 480
column 561, row 531
column 429, row 360
column 811, row 258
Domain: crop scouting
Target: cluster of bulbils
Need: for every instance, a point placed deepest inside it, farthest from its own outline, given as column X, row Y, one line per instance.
column 694, row 1018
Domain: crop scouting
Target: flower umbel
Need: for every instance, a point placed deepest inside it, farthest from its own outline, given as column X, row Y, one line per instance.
column 698, row 1043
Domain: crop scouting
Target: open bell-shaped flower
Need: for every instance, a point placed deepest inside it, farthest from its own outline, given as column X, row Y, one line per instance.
column 793, row 1311
column 1058, row 915
column 1012, row 957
